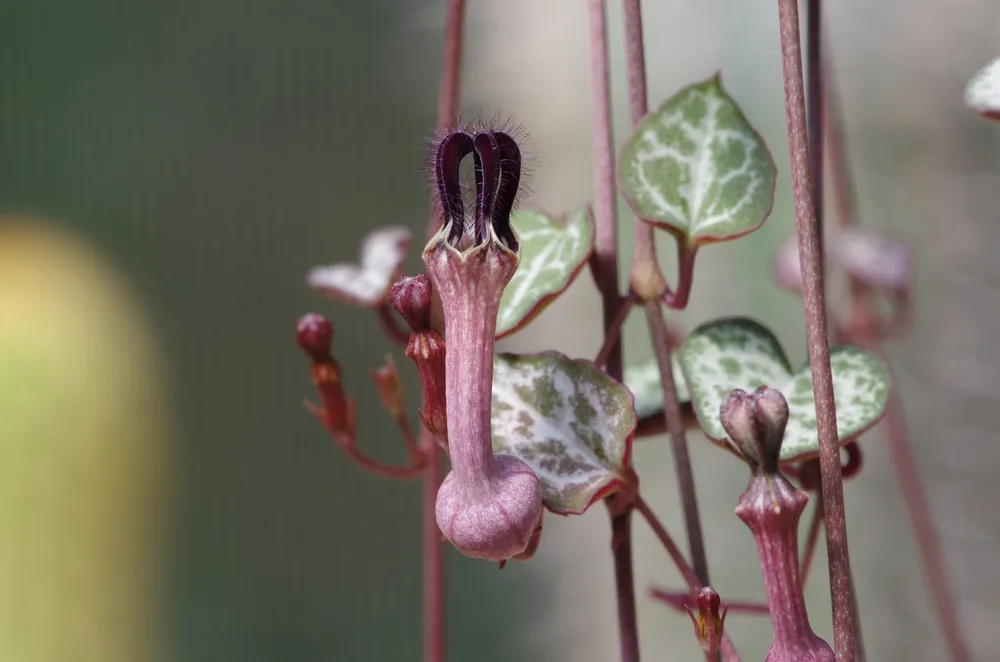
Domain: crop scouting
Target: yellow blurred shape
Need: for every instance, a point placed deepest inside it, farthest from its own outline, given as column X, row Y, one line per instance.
column 83, row 444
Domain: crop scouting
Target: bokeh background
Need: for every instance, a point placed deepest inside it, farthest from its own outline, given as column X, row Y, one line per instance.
column 168, row 173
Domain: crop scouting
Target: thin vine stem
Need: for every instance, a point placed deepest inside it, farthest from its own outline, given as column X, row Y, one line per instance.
column 435, row 622
column 727, row 648
column 896, row 427
column 678, row 438
column 648, row 283
column 435, row 629
column 612, row 335
column 606, row 273
column 817, row 334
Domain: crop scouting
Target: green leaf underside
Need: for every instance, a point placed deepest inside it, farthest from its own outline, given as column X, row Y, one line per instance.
column 552, row 254
column 644, row 382
column 732, row 353
column 570, row 423
column 696, row 167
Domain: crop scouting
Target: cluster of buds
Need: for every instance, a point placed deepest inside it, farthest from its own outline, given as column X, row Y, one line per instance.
column 337, row 412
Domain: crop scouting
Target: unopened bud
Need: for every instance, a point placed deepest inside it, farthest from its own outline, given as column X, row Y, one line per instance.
column 756, row 423
column 411, row 297
column 315, row 335
column 709, row 623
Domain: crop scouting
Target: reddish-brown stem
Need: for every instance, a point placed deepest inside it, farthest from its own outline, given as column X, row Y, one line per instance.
column 347, row 441
column 897, row 430
column 605, row 212
column 435, row 649
column 680, row 600
column 814, row 107
column 727, row 648
column 678, row 441
column 678, row 298
column 606, row 262
column 923, row 527
column 434, row 578
column 816, row 330
column 451, row 77
column 392, row 330
column 612, row 335
column 647, row 282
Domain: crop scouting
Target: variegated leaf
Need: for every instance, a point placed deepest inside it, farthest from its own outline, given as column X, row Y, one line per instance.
column 552, row 254
column 982, row 94
column 697, row 168
column 570, row 422
column 365, row 284
column 644, row 382
column 732, row 353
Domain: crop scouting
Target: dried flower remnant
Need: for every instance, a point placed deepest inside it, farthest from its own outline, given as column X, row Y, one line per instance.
column 488, row 506
column 771, row 507
column 411, row 297
column 337, row 412
column 365, row 284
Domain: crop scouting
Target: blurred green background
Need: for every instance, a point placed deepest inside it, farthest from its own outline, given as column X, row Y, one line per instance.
column 170, row 171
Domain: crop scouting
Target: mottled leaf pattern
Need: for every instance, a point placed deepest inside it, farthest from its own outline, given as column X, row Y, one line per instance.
column 732, row 353
column 569, row 421
column 982, row 94
column 552, row 254
column 644, row 382
column 365, row 284
column 696, row 167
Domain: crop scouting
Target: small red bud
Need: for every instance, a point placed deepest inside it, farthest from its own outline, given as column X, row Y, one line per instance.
column 709, row 623
column 315, row 335
column 411, row 297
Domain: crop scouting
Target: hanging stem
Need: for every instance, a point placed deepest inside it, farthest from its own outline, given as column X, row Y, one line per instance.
column 816, row 331
column 897, row 430
column 435, row 642
column 678, row 441
column 612, row 335
column 606, row 272
column 727, row 648
column 649, row 285
column 434, row 577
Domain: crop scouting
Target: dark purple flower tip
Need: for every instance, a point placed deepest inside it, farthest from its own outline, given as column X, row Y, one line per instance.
column 756, row 423
column 497, row 161
column 411, row 297
column 315, row 336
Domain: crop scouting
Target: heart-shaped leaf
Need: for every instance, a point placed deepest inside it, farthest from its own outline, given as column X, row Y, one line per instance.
column 552, row 254
column 644, row 382
column 732, row 353
column 365, row 284
column 695, row 167
column 570, row 422
column 982, row 94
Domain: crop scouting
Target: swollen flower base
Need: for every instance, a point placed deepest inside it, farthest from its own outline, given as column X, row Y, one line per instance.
column 488, row 506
